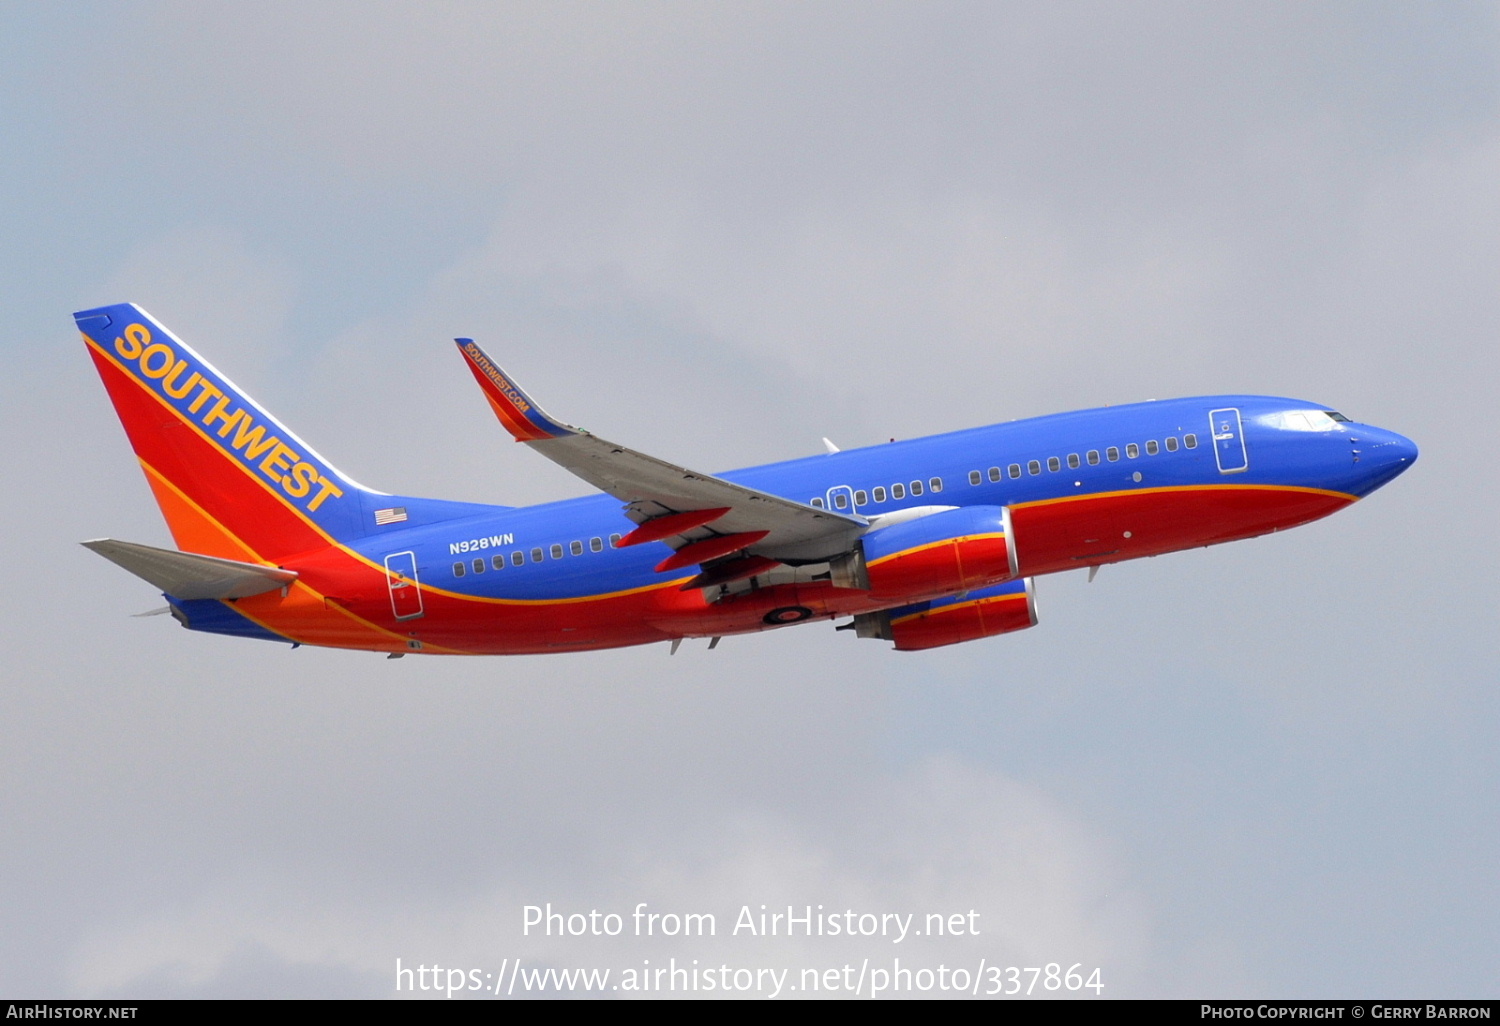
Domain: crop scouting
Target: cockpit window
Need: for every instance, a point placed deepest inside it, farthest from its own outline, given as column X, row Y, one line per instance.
column 1338, row 417
column 1304, row 420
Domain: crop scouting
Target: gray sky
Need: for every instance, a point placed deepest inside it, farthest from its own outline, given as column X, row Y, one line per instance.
column 718, row 233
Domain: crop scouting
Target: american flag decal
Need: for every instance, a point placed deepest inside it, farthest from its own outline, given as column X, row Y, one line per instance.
column 394, row 515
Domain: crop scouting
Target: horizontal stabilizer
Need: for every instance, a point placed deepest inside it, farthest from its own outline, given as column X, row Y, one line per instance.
column 187, row 575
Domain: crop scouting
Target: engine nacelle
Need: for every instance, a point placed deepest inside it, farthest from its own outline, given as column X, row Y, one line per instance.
column 949, row 552
column 979, row 614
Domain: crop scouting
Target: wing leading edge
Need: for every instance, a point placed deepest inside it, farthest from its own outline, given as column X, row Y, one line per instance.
column 698, row 514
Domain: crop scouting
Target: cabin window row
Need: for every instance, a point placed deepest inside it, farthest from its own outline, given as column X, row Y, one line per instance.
column 897, row 491
column 1033, row 467
column 538, row 554
column 1111, row 454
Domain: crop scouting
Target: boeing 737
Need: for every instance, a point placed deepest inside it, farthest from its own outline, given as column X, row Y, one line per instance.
column 922, row 543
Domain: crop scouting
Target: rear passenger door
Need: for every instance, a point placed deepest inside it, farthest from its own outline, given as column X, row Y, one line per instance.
column 401, row 577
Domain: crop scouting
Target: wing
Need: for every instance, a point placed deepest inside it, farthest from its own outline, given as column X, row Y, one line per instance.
column 705, row 518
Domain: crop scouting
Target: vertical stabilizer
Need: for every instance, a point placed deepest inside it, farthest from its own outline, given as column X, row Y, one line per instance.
column 231, row 480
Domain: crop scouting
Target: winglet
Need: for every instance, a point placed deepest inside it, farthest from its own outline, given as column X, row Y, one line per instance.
column 524, row 419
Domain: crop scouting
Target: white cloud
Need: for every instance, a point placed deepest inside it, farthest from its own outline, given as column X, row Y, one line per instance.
column 212, row 291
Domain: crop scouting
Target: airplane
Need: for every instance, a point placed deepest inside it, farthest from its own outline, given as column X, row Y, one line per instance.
column 924, row 543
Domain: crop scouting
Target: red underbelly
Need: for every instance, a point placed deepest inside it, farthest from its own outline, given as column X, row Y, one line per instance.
column 1062, row 534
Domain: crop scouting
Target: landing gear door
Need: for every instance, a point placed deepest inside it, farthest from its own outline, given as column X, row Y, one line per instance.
column 406, row 593
column 1229, row 441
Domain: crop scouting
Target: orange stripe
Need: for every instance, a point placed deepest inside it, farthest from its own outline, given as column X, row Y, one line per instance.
column 933, row 545
column 513, row 420
column 957, row 606
column 1184, row 488
column 191, row 530
column 244, row 552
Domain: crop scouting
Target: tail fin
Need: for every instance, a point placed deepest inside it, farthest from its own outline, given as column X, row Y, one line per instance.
column 231, row 480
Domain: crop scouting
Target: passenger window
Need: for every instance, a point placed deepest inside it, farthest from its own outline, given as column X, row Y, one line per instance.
column 1015, row 470
column 817, row 502
column 1191, row 441
column 916, row 488
column 576, row 548
column 880, row 493
column 458, row 569
column 1132, row 451
column 536, row 555
column 935, row 483
column 614, row 541
column 557, row 552
column 498, row 562
column 596, row 545
column 479, row 566
column 841, row 500
column 974, row 477
column 898, row 491
column 1152, row 448
column 861, row 499
column 517, row 558
column 1112, row 453
column 1033, row 467
column 1172, row 444
column 994, row 473
column 1073, row 461
column 1093, row 457
column 1054, row 464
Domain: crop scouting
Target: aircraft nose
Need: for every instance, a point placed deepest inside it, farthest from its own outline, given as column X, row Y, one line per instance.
column 1382, row 455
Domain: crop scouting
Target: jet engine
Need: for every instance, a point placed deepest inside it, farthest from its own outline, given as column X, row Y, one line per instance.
column 940, row 554
column 967, row 616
